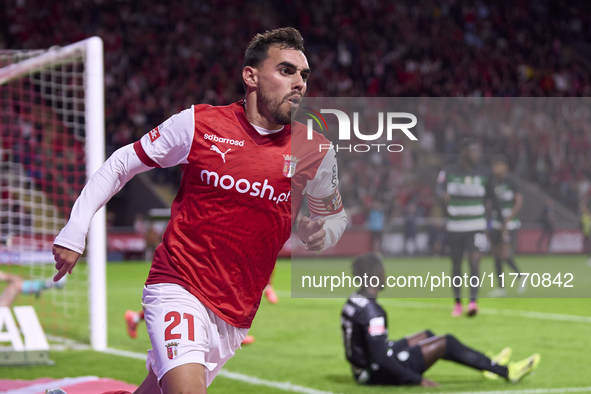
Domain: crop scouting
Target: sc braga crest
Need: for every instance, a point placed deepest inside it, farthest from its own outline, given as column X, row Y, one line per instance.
column 345, row 130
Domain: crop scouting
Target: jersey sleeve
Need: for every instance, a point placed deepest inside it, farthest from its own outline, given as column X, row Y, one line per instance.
column 170, row 143
column 324, row 199
column 109, row 179
column 322, row 192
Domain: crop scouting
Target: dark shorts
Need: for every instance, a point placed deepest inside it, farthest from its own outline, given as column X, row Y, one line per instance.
column 410, row 357
column 496, row 237
column 470, row 241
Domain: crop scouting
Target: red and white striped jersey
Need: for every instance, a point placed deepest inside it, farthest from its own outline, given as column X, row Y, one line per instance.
column 233, row 211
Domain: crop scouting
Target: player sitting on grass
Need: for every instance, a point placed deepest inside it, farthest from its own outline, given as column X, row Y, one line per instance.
column 17, row 285
column 377, row 361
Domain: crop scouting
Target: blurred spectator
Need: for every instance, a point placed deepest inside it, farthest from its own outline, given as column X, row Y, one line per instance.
column 376, row 222
column 410, row 229
column 161, row 58
column 547, row 218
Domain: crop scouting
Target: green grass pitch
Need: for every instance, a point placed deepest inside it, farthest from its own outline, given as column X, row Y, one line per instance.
column 299, row 340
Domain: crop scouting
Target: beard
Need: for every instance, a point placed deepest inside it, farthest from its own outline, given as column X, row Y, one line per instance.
column 273, row 106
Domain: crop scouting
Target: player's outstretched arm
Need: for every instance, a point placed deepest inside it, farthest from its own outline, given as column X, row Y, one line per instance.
column 165, row 146
column 104, row 184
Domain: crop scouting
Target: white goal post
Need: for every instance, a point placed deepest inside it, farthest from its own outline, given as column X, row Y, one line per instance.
column 87, row 55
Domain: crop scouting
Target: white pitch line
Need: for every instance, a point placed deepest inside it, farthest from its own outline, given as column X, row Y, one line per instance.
column 529, row 391
column 486, row 311
column 41, row 387
column 125, row 353
column 65, row 344
column 285, row 386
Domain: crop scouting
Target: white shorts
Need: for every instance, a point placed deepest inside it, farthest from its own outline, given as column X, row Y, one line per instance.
column 183, row 331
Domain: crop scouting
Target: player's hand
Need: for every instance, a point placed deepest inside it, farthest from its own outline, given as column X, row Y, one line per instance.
column 428, row 383
column 312, row 234
column 65, row 260
column 445, row 196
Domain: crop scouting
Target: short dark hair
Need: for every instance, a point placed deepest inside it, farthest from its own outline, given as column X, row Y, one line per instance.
column 284, row 38
column 366, row 264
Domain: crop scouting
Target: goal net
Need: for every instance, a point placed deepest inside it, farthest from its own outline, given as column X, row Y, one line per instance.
column 51, row 140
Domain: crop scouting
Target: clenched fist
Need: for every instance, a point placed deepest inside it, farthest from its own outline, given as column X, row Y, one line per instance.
column 312, row 234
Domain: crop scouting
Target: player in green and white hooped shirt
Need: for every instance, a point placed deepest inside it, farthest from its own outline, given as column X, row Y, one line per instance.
column 465, row 187
column 508, row 193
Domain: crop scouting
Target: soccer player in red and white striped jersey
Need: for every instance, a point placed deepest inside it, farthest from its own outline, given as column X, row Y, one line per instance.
column 247, row 172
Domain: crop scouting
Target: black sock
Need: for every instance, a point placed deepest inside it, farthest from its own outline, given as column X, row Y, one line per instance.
column 474, row 271
column 512, row 264
column 429, row 333
column 459, row 353
column 499, row 267
column 457, row 254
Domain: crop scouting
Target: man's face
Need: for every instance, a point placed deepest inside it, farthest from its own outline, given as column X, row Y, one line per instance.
column 472, row 153
column 281, row 83
column 499, row 169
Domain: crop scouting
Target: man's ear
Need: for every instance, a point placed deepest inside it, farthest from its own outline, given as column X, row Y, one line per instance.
column 250, row 77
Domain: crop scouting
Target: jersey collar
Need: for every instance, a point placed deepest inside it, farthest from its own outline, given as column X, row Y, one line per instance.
column 252, row 133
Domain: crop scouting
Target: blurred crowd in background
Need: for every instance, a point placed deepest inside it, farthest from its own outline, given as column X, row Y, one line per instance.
column 162, row 57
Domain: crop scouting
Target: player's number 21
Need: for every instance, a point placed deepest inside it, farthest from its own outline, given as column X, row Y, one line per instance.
column 176, row 320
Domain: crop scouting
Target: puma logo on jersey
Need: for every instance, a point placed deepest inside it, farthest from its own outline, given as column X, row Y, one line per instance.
column 217, row 150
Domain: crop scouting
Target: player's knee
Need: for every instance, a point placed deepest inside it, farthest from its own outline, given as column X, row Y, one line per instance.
column 429, row 333
column 450, row 340
column 451, row 343
column 185, row 379
column 185, row 390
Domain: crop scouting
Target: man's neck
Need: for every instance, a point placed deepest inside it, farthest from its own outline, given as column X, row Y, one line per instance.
column 369, row 292
column 254, row 115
